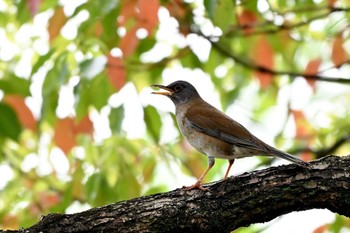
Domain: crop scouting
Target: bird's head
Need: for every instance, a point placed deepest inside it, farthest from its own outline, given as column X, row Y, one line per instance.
column 180, row 92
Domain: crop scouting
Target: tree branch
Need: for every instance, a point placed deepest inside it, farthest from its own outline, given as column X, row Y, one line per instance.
column 324, row 151
column 260, row 68
column 239, row 201
column 269, row 27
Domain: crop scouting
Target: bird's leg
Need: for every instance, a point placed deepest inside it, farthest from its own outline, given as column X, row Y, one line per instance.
column 198, row 184
column 230, row 162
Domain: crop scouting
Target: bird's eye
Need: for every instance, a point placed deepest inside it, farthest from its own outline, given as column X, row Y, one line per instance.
column 177, row 88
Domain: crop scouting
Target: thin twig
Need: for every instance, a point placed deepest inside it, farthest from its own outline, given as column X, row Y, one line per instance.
column 260, row 68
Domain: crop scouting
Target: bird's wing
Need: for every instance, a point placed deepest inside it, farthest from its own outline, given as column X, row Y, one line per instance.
column 217, row 124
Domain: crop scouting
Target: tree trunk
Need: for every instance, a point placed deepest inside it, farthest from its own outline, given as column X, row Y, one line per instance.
column 254, row 197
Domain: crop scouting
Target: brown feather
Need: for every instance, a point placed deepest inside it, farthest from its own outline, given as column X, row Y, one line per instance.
column 217, row 124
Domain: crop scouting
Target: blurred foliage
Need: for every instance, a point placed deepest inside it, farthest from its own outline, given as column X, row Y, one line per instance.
column 65, row 67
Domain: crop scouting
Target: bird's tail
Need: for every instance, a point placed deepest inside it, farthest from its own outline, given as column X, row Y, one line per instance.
column 289, row 157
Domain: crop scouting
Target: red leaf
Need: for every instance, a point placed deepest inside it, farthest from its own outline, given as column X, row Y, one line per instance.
column 24, row 114
column 331, row 3
column 178, row 10
column 339, row 55
column 303, row 128
column 85, row 126
column 67, row 129
column 148, row 14
column 246, row 20
column 307, row 156
column 10, row 222
column 128, row 12
column 47, row 200
column 98, row 28
column 312, row 68
column 34, row 6
column 64, row 136
column 321, row 229
column 56, row 22
column 263, row 56
column 129, row 42
column 116, row 71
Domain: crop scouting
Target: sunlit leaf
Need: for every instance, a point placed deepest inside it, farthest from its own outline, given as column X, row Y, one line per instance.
column 340, row 223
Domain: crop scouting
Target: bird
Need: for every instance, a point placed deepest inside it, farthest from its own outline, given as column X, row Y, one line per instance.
column 212, row 132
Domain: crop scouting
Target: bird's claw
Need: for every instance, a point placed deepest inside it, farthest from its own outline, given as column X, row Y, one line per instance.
column 197, row 185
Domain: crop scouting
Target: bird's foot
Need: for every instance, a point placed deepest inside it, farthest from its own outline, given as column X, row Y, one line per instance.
column 197, row 185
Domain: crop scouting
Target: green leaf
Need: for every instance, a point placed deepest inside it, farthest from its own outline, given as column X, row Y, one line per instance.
column 57, row 76
column 23, row 14
column 93, row 186
column 210, row 6
column 190, row 61
column 15, row 85
column 100, row 90
column 153, row 122
column 10, row 126
column 42, row 59
column 130, row 186
column 146, row 45
column 116, row 118
column 4, row 18
column 48, row 109
column 82, row 91
column 224, row 15
column 99, row 192
column 92, row 67
column 215, row 59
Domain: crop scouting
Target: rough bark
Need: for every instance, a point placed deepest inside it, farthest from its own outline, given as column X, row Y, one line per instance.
column 254, row 197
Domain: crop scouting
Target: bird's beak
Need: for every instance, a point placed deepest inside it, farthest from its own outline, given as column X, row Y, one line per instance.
column 168, row 91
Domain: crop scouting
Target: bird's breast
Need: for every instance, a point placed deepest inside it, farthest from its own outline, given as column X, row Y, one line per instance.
column 202, row 142
column 209, row 145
